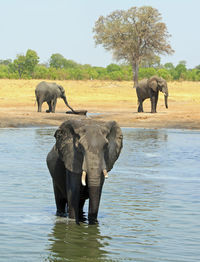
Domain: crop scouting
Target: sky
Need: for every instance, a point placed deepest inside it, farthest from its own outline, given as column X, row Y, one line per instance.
column 65, row 27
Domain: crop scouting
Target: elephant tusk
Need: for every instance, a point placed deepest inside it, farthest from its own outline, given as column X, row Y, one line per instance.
column 105, row 173
column 83, row 178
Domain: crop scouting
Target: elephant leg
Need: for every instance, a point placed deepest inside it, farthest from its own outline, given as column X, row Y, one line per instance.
column 73, row 194
column 39, row 103
column 61, row 202
column 156, row 101
column 140, row 106
column 54, row 101
column 83, row 196
column 81, row 213
column 153, row 104
column 50, row 107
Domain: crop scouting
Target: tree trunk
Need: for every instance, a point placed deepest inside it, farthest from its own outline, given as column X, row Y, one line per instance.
column 135, row 67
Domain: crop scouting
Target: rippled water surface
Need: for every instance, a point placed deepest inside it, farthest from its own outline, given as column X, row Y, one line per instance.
column 150, row 206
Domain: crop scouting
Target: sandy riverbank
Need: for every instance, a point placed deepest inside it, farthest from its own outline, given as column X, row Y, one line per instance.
column 104, row 100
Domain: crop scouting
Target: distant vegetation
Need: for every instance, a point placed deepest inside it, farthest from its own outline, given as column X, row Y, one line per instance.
column 59, row 68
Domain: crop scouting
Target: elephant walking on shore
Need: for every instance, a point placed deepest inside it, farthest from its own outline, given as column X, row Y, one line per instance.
column 85, row 150
column 149, row 88
column 49, row 92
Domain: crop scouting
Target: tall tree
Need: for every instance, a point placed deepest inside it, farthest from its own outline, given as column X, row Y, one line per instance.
column 169, row 66
column 25, row 65
column 19, row 65
column 57, row 61
column 5, row 62
column 133, row 35
column 31, row 60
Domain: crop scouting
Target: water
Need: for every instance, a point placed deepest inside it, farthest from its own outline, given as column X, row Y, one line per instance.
column 150, row 206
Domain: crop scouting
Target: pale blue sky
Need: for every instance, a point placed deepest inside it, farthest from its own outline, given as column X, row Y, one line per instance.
column 65, row 27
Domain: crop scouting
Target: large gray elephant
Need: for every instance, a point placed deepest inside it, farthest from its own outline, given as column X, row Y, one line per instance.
column 85, row 150
column 49, row 92
column 149, row 88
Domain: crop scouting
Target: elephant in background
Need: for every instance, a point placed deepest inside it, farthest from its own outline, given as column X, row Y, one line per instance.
column 49, row 92
column 85, row 150
column 149, row 88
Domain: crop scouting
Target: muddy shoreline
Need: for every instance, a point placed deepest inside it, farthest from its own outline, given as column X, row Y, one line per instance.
column 27, row 117
column 104, row 100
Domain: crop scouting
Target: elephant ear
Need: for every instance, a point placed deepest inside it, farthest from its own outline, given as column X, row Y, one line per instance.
column 153, row 84
column 66, row 145
column 62, row 90
column 162, row 84
column 115, row 144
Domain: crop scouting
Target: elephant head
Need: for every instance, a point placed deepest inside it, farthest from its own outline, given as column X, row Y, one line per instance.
column 62, row 91
column 159, row 84
column 89, row 148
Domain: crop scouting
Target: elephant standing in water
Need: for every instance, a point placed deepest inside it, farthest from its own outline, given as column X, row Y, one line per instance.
column 85, row 150
column 149, row 88
column 49, row 92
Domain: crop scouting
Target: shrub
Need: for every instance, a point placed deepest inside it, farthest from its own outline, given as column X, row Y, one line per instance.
column 147, row 72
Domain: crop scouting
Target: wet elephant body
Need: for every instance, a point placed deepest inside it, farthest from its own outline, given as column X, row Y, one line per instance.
column 84, row 152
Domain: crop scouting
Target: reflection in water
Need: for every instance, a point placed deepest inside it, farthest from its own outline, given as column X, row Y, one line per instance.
column 69, row 241
column 43, row 136
column 144, row 135
column 147, row 141
column 143, row 151
column 44, row 133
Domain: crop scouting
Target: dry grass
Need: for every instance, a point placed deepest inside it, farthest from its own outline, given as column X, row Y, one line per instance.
column 185, row 91
column 116, row 99
column 21, row 92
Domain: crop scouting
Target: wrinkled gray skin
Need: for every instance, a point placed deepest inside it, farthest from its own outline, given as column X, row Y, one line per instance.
column 82, row 146
column 149, row 88
column 49, row 92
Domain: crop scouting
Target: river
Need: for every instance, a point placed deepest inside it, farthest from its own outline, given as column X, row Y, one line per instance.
column 150, row 205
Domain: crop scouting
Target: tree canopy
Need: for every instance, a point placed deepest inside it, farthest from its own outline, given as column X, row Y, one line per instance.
column 31, row 60
column 25, row 64
column 27, row 67
column 133, row 35
column 59, row 61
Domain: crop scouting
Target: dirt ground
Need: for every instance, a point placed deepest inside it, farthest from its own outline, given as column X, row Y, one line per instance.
column 104, row 100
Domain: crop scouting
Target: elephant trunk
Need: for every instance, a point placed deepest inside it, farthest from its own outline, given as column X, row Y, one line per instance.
column 166, row 100
column 66, row 103
column 93, row 175
column 96, row 181
column 94, row 201
column 165, row 92
column 94, row 170
column 95, row 184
